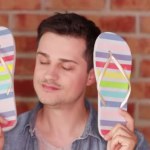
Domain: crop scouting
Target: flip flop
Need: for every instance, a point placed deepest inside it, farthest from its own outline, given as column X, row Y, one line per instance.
column 7, row 67
column 112, row 66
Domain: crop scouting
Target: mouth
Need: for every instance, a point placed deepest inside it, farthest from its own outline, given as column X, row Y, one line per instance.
column 49, row 88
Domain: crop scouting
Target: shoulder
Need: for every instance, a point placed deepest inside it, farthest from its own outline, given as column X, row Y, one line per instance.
column 142, row 144
column 22, row 121
column 15, row 137
column 25, row 119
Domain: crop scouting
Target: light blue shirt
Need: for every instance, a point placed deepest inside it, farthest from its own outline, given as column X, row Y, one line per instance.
column 23, row 137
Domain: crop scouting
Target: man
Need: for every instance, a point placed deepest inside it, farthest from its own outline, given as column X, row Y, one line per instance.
column 63, row 119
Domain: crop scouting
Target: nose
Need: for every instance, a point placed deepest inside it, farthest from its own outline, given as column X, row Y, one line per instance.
column 52, row 73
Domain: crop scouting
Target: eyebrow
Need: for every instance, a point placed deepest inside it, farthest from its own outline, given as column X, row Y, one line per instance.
column 61, row 59
column 43, row 54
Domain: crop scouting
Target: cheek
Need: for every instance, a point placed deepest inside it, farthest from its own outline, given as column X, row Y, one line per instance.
column 37, row 76
column 79, row 81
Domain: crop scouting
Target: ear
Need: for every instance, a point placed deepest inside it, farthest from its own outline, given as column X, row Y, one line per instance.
column 91, row 77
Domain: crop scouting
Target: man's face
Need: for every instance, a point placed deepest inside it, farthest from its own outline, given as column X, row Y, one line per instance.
column 60, row 75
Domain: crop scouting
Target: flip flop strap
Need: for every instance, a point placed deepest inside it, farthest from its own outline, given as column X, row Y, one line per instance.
column 112, row 58
column 9, row 72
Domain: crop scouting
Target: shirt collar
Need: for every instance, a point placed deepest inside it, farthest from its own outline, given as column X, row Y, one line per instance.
column 91, row 128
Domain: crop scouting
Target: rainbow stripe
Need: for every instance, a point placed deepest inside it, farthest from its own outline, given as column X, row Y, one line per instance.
column 7, row 100
column 113, row 86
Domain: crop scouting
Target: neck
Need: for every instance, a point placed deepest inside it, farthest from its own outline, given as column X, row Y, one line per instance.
column 64, row 122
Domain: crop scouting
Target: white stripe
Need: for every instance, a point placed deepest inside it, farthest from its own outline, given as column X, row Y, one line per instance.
column 8, row 104
column 114, row 80
column 6, row 40
column 7, row 54
column 113, row 70
column 104, row 60
column 114, row 90
column 105, row 127
column 11, row 118
column 2, row 28
column 5, row 82
column 116, row 47
column 113, row 99
column 110, row 114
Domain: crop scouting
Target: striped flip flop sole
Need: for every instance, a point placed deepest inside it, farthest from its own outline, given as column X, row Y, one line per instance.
column 7, row 67
column 113, row 86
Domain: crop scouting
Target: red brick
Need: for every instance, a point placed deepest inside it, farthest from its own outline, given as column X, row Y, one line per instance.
column 140, row 90
column 137, row 90
column 146, row 91
column 130, row 4
column 25, row 44
column 23, row 106
column 27, row 22
column 24, row 88
column 144, row 71
column 3, row 20
column 145, row 24
column 139, row 45
column 25, row 66
column 146, row 132
column 74, row 4
column 19, row 4
column 115, row 23
column 144, row 110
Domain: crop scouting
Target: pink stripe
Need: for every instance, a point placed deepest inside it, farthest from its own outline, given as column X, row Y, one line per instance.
column 10, row 123
column 8, row 58
column 113, row 66
column 104, row 132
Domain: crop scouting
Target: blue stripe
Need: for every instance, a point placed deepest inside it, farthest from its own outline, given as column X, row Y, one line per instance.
column 4, row 86
column 7, row 49
column 4, row 32
column 113, row 104
column 110, row 36
column 8, row 113
column 111, row 123
column 118, row 94
column 5, row 96
column 117, row 56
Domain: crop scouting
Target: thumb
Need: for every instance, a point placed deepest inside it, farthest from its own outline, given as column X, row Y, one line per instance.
column 1, row 139
column 128, row 118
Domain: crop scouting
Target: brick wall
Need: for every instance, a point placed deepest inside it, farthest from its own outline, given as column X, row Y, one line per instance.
column 129, row 18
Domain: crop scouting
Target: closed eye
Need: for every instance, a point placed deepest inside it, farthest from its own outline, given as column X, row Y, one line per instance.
column 67, row 68
column 44, row 63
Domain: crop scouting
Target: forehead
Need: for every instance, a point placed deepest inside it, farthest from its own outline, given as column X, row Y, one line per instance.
column 55, row 45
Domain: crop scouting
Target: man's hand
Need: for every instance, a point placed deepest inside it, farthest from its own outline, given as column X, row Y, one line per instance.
column 122, row 137
column 2, row 122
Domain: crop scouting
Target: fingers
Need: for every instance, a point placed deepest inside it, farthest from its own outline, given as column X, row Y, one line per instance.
column 117, row 147
column 128, row 118
column 1, row 139
column 122, row 137
column 3, row 121
column 122, row 142
column 117, row 130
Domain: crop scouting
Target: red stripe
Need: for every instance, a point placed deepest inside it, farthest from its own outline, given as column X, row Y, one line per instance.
column 104, row 132
column 8, row 58
column 113, row 66
column 10, row 123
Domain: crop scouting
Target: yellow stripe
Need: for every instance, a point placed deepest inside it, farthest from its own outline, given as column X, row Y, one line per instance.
column 114, row 75
column 2, row 69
